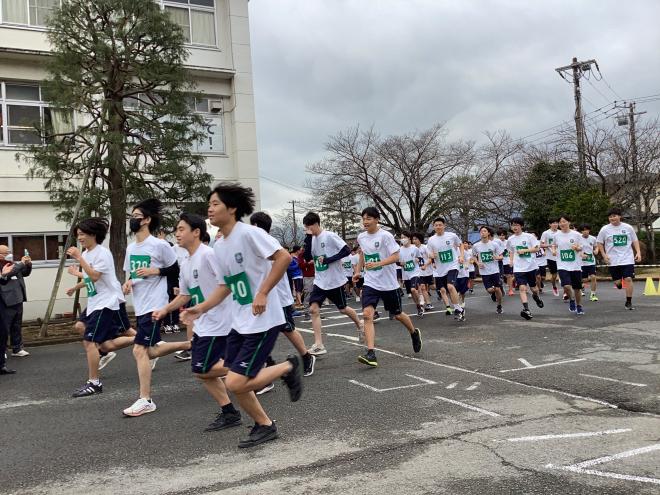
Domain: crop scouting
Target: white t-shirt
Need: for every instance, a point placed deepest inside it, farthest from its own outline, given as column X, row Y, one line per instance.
column 541, row 257
column 149, row 294
column 522, row 262
column 198, row 278
column 347, row 266
column 355, row 260
column 327, row 276
column 485, row 253
column 445, row 249
column 106, row 291
column 506, row 261
column 567, row 258
column 421, row 261
column 243, row 265
column 284, row 291
column 377, row 247
column 618, row 243
column 548, row 237
column 469, row 259
column 588, row 246
column 408, row 257
column 181, row 254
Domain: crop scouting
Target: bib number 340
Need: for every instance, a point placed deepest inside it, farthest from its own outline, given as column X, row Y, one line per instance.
column 240, row 288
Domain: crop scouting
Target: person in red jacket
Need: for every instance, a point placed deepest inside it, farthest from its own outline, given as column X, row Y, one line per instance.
column 307, row 268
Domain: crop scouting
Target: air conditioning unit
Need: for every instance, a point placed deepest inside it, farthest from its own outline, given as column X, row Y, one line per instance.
column 216, row 106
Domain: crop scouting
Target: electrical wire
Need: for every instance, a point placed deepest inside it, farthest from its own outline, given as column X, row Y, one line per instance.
column 284, row 184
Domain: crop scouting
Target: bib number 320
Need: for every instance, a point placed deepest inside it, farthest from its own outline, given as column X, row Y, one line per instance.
column 240, row 288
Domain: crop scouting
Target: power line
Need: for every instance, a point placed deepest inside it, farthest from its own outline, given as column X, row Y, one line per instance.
column 284, row 184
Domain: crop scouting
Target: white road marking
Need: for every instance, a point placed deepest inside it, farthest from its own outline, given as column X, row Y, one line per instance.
column 473, row 386
column 452, row 385
column 544, row 365
column 380, row 390
column 568, row 435
column 525, row 363
column 621, row 455
column 23, row 403
column 615, row 380
column 468, row 406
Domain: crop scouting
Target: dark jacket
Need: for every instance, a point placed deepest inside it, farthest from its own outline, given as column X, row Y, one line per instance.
column 12, row 287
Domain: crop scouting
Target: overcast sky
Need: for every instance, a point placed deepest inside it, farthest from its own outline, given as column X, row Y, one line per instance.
column 321, row 66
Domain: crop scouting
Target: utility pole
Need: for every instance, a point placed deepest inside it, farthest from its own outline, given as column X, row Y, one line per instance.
column 295, row 227
column 578, row 68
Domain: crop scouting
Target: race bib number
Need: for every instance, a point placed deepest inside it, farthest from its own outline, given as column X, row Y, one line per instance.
column 138, row 261
column 348, row 265
column 240, row 288
column 505, row 253
column 409, row 265
column 523, row 255
column 487, row 257
column 373, row 258
column 589, row 258
column 446, row 256
column 620, row 239
column 196, row 296
column 318, row 266
column 89, row 285
column 567, row 255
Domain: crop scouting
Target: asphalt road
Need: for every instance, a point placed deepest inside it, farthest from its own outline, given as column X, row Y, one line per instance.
column 495, row 404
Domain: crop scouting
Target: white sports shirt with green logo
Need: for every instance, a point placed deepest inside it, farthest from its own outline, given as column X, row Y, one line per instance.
column 106, row 291
column 485, row 253
column 568, row 258
column 408, row 257
column 548, row 237
column 588, row 246
column 377, row 247
column 327, row 276
column 618, row 243
column 525, row 262
column 445, row 249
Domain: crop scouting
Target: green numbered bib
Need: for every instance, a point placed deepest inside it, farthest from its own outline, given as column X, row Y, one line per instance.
column 409, row 265
column 589, row 258
column 89, row 285
column 318, row 266
column 505, row 253
column 487, row 257
column 138, row 261
column 373, row 258
column 524, row 255
column 240, row 288
column 446, row 256
column 620, row 239
column 567, row 255
column 196, row 296
column 347, row 265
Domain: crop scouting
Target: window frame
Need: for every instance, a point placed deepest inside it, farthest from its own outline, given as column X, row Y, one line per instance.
column 190, row 7
column 36, row 263
column 28, row 24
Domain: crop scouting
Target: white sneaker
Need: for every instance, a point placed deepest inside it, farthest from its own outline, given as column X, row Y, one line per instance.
column 21, row 353
column 266, row 389
column 317, row 350
column 140, row 407
column 153, row 362
column 357, row 299
column 105, row 360
column 409, row 296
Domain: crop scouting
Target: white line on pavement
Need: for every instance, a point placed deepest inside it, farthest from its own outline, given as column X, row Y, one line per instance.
column 615, row 380
column 525, row 363
column 22, row 403
column 473, row 386
column 621, row 455
column 543, row 365
column 452, row 385
column 468, row 406
column 379, row 390
column 568, row 435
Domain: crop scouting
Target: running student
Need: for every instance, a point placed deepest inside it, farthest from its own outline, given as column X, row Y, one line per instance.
column 616, row 242
column 380, row 253
column 506, row 269
column 463, row 278
column 197, row 281
column 521, row 247
column 102, row 321
column 249, row 263
column 327, row 250
column 347, row 266
column 589, row 252
column 447, row 251
column 148, row 263
column 408, row 259
column 541, row 266
column 487, row 254
column 425, row 273
column 357, row 286
column 296, row 274
column 567, row 249
column 547, row 239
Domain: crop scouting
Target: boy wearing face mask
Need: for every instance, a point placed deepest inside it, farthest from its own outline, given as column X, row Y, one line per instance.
column 408, row 259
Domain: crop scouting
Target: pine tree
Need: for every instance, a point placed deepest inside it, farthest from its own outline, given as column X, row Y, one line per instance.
column 117, row 72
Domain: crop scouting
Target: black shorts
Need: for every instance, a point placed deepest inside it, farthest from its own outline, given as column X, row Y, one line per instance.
column 148, row 331
column 247, row 353
column 122, row 316
column 588, row 271
column 526, row 278
column 622, row 271
column 337, row 296
column 207, row 352
column 391, row 299
column 473, row 275
column 494, row 280
column 572, row 278
column 100, row 325
column 349, row 281
column 462, row 285
column 399, row 273
column 413, row 283
column 507, row 270
column 426, row 280
column 542, row 272
column 360, row 283
column 290, row 324
column 552, row 266
column 449, row 279
column 298, row 284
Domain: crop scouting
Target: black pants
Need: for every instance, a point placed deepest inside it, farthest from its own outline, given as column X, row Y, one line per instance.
column 12, row 320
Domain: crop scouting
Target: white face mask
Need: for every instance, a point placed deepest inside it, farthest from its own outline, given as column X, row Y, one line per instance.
column 405, row 241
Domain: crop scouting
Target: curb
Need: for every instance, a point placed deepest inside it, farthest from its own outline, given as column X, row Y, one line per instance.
column 53, row 341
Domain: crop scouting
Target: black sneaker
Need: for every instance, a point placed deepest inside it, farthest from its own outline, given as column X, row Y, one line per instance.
column 223, row 421
column 499, row 309
column 308, row 365
column 88, row 389
column 493, row 297
column 448, row 311
column 526, row 313
column 538, row 301
column 459, row 315
column 428, row 307
column 293, row 380
column 416, row 337
column 420, row 311
column 629, row 306
column 183, row 355
column 369, row 358
column 376, row 315
column 258, row 435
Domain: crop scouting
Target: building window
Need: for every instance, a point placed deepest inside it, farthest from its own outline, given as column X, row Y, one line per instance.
column 196, row 18
column 42, row 248
column 28, row 12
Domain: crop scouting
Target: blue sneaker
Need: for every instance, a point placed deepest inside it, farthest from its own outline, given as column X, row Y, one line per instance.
column 580, row 311
column 296, row 314
column 571, row 306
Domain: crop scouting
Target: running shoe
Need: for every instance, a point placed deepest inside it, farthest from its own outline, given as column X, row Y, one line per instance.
column 571, row 306
column 307, row 317
column 499, row 309
column 493, row 297
column 317, row 350
column 357, row 299
column 376, row 315
column 579, row 310
column 223, row 421
column 471, row 291
column 582, row 293
column 409, row 296
column 593, row 297
column 140, row 407
column 537, row 300
column 293, row 379
column 105, row 360
column 618, row 284
column 183, row 355
column 449, row 311
column 565, row 298
column 416, row 337
column 258, row 435
column 88, row 389
column 629, row 306
column 369, row 358
column 175, row 328
column 555, row 291
column 266, row 389
column 420, row 311
column 20, row 353
column 167, row 329
column 459, row 315
column 296, row 314
column 526, row 313
column 308, row 364
column 428, row 307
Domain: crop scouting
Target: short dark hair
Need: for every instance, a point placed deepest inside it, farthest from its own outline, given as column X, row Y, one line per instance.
column 489, row 229
column 553, row 220
column 439, row 219
column 96, row 226
column 295, row 248
column 151, row 208
column 615, row 210
column 262, row 220
column 418, row 236
column 406, row 233
column 371, row 211
column 195, row 222
column 502, row 231
column 206, row 238
column 584, row 226
column 234, row 195
column 517, row 221
column 566, row 217
column 311, row 218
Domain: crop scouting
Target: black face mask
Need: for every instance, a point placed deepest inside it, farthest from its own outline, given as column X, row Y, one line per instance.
column 135, row 224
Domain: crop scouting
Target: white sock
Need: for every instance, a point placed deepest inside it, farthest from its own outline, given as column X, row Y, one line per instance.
column 96, row 381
